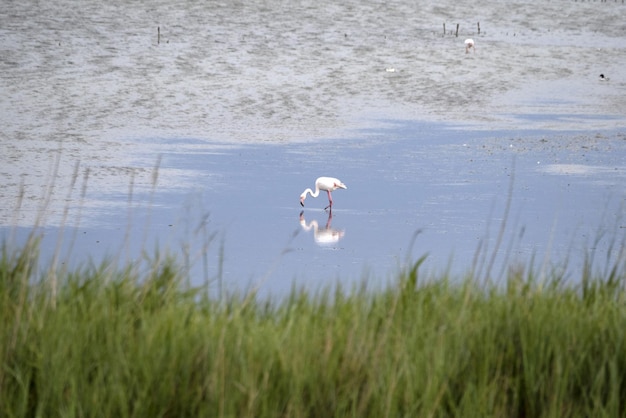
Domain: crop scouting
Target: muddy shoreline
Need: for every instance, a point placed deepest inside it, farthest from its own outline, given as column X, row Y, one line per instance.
column 100, row 117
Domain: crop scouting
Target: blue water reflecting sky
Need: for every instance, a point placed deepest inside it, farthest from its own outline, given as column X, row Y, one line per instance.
column 413, row 189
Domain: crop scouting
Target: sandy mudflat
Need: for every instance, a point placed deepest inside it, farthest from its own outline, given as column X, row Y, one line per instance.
column 90, row 82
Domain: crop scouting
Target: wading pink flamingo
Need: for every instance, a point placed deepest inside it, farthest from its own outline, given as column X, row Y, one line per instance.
column 469, row 44
column 329, row 184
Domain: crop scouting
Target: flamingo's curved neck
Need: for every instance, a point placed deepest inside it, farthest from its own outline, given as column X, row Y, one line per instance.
column 313, row 194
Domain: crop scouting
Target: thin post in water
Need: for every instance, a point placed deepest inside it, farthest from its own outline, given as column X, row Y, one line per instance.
column 457, row 30
column 158, row 35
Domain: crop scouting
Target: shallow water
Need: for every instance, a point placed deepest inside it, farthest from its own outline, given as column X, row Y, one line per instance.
column 240, row 106
column 413, row 189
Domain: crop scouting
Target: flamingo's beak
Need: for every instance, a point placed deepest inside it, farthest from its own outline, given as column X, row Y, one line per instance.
column 302, row 202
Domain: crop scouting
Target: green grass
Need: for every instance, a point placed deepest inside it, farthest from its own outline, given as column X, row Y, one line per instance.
column 117, row 343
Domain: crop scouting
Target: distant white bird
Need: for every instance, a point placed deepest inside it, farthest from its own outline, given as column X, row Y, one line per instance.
column 469, row 44
column 329, row 184
column 603, row 78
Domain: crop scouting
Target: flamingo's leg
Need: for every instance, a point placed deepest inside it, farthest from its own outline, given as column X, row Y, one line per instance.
column 330, row 201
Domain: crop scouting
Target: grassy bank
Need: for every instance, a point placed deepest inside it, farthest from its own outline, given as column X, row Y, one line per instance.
column 116, row 343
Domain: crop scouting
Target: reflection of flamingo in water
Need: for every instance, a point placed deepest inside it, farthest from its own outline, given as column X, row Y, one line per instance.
column 329, row 184
column 322, row 236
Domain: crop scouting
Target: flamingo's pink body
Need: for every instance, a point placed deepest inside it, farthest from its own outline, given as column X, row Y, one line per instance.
column 328, row 184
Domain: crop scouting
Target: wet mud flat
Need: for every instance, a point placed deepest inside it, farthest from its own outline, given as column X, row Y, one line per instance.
column 235, row 108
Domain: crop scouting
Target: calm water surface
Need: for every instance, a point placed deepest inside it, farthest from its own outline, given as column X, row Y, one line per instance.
column 413, row 189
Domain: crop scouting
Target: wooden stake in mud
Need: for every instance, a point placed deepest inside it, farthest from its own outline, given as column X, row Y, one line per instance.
column 478, row 27
column 444, row 28
column 457, row 30
column 158, row 35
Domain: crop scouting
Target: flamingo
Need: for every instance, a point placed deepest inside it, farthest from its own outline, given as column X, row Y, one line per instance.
column 329, row 184
column 469, row 44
